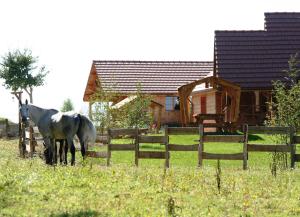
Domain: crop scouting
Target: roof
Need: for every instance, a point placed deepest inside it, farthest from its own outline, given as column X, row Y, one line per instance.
column 130, row 99
column 254, row 59
column 124, row 102
column 155, row 77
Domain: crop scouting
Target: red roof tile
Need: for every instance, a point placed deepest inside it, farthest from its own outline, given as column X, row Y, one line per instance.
column 155, row 77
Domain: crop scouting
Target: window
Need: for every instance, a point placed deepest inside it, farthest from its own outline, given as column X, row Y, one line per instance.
column 172, row 103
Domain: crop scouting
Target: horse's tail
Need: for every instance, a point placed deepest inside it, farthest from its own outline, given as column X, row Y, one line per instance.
column 80, row 124
column 86, row 129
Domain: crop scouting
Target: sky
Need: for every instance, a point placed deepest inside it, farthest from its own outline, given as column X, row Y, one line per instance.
column 67, row 35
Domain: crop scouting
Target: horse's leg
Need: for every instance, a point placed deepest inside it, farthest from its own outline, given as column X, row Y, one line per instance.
column 66, row 145
column 55, row 152
column 82, row 148
column 47, row 152
column 61, row 144
column 72, row 149
column 51, row 151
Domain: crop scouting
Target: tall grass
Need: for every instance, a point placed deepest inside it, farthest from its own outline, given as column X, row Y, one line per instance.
column 30, row 188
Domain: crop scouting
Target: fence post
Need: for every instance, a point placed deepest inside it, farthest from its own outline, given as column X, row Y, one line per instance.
column 167, row 165
column 293, row 147
column 108, row 147
column 245, row 148
column 136, row 147
column 22, row 144
column 31, row 141
column 201, row 145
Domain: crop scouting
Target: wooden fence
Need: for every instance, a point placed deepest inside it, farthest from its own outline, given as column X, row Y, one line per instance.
column 286, row 132
column 225, row 139
column 137, row 138
column 8, row 129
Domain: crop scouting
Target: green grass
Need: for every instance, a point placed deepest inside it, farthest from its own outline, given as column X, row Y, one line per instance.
column 30, row 188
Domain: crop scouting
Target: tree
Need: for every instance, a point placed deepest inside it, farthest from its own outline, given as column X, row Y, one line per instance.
column 286, row 107
column 137, row 111
column 67, row 106
column 286, row 103
column 20, row 71
column 132, row 114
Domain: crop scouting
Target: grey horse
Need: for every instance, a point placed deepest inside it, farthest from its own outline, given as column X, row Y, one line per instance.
column 54, row 125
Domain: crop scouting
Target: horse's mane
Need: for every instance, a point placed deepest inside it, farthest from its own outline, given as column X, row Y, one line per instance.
column 51, row 110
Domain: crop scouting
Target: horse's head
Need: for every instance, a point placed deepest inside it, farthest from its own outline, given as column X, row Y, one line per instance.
column 24, row 112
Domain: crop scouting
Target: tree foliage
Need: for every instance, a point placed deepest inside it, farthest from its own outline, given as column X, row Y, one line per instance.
column 286, row 95
column 67, row 106
column 132, row 114
column 137, row 112
column 20, row 71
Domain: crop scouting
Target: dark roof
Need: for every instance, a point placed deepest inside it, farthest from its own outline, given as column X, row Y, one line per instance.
column 254, row 59
column 282, row 22
column 155, row 77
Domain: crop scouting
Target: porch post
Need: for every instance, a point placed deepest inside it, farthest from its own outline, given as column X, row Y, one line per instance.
column 257, row 105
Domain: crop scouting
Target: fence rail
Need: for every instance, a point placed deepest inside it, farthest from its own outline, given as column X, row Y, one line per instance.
column 138, row 137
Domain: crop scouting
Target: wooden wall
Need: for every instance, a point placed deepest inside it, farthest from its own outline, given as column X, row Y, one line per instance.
column 166, row 116
column 210, row 102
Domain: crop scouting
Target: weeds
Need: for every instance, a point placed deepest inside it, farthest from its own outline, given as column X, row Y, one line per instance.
column 218, row 176
column 172, row 207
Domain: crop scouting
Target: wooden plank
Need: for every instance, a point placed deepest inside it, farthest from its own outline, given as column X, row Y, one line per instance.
column 115, row 133
column 96, row 154
column 297, row 157
column 175, row 147
column 211, row 156
column 223, row 138
column 268, row 148
column 201, row 146
column 143, row 130
column 121, row 147
column 183, row 130
column 267, row 130
column 152, row 139
column 212, row 125
column 152, row 154
column 296, row 139
column 167, row 162
column 102, row 139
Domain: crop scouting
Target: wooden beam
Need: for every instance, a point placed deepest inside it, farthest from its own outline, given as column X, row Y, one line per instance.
column 152, row 139
column 152, row 154
column 95, row 154
column 213, row 156
column 224, row 138
column 175, row 147
column 268, row 148
column 122, row 147
column 268, row 130
column 183, row 130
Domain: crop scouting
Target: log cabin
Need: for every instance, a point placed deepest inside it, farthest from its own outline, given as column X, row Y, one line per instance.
column 236, row 85
column 159, row 79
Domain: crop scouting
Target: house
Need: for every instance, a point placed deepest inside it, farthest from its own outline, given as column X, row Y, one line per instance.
column 236, row 85
column 251, row 60
column 160, row 79
column 254, row 59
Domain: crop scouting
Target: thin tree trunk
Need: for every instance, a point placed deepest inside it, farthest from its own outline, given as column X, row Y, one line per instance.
column 30, row 93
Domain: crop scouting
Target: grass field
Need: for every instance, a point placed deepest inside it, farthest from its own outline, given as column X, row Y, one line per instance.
column 30, row 188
